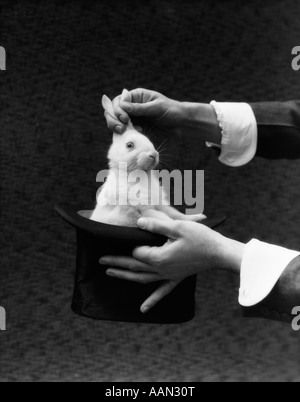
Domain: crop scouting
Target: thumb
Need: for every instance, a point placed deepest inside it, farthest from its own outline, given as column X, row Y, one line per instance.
column 166, row 228
column 140, row 109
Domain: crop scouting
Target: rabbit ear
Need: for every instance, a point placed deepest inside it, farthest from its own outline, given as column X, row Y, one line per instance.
column 108, row 107
column 116, row 137
column 125, row 97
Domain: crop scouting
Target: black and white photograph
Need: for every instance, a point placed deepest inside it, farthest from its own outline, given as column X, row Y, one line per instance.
column 150, row 187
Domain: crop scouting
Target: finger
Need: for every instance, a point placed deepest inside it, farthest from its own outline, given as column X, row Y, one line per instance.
column 114, row 125
column 137, row 95
column 124, row 262
column 142, row 278
column 119, row 112
column 164, row 290
column 141, row 95
column 141, row 102
column 141, row 109
column 167, row 228
column 150, row 256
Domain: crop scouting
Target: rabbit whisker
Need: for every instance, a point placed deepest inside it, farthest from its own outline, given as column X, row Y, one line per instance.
column 162, row 144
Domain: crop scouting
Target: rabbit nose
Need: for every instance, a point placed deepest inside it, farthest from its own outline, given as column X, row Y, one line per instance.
column 153, row 155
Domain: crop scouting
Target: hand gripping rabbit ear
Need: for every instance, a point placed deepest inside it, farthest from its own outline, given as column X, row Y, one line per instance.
column 108, row 106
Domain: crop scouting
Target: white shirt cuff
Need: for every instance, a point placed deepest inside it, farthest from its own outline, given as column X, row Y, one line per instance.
column 262, row 266
column 239, row 133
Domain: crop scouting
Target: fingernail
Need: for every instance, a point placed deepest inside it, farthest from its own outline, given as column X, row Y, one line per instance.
column 103, row 261
column 123, row 119
column 119, row 129
column 127, row 107
column 109, row 273
column 144, row 309
column 142, row 223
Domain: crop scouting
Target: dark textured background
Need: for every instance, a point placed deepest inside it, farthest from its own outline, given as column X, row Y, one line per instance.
column 61, row 58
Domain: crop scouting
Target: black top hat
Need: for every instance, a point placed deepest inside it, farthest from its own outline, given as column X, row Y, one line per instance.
column 101, row 297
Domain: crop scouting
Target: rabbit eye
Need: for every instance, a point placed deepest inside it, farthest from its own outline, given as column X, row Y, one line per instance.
column 130, row 146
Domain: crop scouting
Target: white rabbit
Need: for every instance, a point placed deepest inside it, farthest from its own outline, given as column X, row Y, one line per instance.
column 132, row 152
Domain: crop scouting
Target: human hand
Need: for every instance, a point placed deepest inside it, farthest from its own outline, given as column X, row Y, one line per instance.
column 191, row 248
column 142, row 103
column 152, row 110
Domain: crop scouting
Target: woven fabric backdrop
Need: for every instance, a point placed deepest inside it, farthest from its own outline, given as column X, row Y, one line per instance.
column 61, row 57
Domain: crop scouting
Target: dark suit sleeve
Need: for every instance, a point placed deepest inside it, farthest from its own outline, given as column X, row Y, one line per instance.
column 279, row 137
column 278, row 129
column 283, row 299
